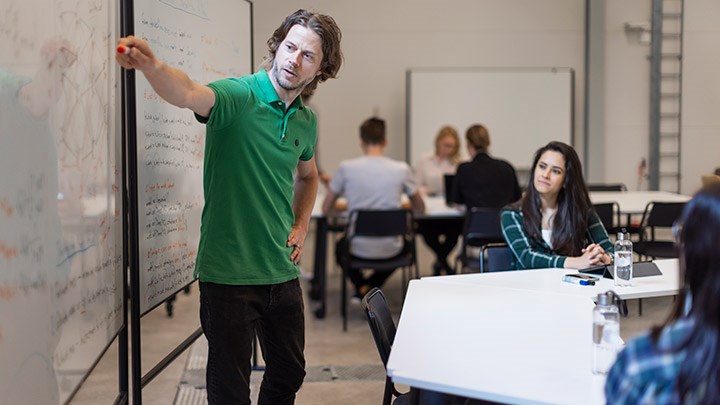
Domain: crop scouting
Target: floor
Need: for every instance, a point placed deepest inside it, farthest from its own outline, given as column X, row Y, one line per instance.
column 343, row 367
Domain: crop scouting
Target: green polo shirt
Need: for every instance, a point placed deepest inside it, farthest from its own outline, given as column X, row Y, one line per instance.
column 252, row 148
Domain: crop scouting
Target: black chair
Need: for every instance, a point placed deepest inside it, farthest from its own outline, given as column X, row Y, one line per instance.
column 383, row 331
column 496, row 257
column 609, row 214
column 379, row 223
column 482, row 226
column 658, row 215
column 607, row 187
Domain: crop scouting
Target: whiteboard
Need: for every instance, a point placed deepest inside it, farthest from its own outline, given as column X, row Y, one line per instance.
column 208, row 40
column 60, row 222
column 522, row 108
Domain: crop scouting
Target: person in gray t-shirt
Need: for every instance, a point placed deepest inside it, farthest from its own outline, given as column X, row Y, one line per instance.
column 372, row 181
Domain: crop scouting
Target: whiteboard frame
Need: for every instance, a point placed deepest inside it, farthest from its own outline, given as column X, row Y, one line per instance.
column 566, row 111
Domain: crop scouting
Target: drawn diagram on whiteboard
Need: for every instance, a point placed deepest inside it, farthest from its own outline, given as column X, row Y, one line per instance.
column 60, row 230
column 197, row 8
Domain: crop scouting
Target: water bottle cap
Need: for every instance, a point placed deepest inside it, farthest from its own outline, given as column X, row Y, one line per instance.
column 604, row 299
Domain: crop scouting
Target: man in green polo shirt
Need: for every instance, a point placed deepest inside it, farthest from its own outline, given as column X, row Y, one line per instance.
column 260, row 182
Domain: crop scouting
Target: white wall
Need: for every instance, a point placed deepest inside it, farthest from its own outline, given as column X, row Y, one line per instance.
column 701, row 92
column 381, row 39
column 627, row 92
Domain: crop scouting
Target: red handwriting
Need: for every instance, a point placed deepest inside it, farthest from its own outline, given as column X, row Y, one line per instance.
column 6, row 208
column 7, row 292
column 162, row 249
column 159, row 186
column 8, row 252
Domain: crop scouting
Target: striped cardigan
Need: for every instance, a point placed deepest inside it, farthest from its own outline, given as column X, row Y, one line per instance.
column 532, row 254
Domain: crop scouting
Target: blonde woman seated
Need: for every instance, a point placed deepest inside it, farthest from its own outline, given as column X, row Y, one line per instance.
column 554, row 223
column 430, row 171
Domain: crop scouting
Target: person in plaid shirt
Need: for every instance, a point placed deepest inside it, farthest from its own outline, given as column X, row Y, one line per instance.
column 679, row 361
column 554, row 223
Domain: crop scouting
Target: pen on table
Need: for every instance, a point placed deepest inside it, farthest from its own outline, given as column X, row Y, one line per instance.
column 575, row 280
column 125, row 50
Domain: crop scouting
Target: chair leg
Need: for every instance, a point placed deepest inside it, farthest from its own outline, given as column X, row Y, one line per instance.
column 639, row 306
column 623, row 308
column 387, row 394
column 406, row 275
column 343, row 298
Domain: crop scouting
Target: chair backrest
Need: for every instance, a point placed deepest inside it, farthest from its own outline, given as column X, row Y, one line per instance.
column 498, row 256
column 609, row 214
column 380, row 321
column 482, row 225
column 607, row 187
column 664, row 214
column 660, row 215
column 375, row 223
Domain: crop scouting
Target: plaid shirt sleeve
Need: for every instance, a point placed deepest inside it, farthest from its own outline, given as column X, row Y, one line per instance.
column 646, row 372
column 596, row 233
column 528, row 254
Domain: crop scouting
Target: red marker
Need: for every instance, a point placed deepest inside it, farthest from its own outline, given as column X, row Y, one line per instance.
column 125, row 50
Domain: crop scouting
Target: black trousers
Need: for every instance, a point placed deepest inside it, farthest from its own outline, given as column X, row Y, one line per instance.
column 230, row 317
column 376, row 279
column 441, row 236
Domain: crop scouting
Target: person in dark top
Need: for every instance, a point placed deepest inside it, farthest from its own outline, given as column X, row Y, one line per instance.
column 484, row 181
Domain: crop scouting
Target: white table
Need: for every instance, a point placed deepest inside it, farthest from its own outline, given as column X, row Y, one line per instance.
column 549, row 280
column 634, row 202
column 518, row 336
column 435, row 206
column 498, row 344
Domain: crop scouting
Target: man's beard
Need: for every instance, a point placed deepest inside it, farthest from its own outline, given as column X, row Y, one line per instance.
column 284, row 84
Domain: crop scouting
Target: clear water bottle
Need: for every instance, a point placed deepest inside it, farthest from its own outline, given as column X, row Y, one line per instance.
column 606, row 333
column 623, row 260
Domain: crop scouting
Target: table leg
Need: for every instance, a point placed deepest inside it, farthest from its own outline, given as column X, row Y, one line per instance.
column 318, row 286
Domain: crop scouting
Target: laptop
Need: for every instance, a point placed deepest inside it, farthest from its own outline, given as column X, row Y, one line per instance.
column 640, row 269
column 448, row 182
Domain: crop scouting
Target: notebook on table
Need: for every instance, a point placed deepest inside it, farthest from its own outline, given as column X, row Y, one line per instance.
column 640, row 269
